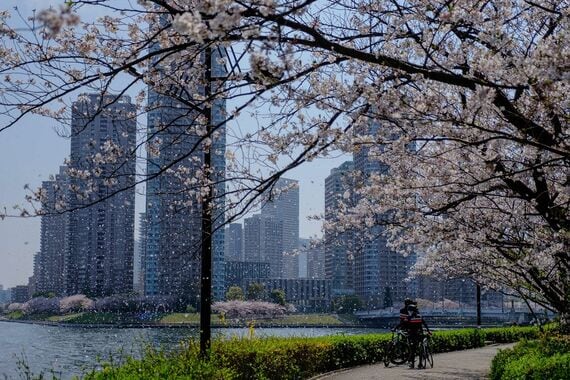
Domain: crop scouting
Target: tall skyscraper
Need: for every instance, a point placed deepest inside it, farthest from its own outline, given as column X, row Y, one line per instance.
column 263, row 238
column 174, row 213
column 234, row 242
column 339, row 246
column 102, row 197
column 51, row 259
column 379, row 272
column 283, row 206
column 140, row 254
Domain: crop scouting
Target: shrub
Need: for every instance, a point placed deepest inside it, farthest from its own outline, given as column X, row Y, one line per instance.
column 284, row 358
column 547, row 358
column 510, row 334
column 248, row 309
column 190, row 309
column 346, row 304
column 235, row 293
column 278, row 296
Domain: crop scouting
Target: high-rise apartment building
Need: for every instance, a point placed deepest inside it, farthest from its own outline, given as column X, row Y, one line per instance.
column 102, row 196
column 140, row 254
column 234, row 242
column 283, row 206
column 339, row 245
column 263, row 238
column 50, row 261
column 174, row 212
column 379, row 272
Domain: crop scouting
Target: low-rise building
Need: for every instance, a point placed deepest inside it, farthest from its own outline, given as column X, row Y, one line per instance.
column 20, row 294
column 307, row 294
column 238, row 273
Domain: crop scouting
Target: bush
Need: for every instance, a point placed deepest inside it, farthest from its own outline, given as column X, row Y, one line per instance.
column 547, row 358
column 235, row 293
column 248, row 309
column 286, row 358
column 346, row 304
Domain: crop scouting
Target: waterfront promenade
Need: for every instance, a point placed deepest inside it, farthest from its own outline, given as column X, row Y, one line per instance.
column 466, row 365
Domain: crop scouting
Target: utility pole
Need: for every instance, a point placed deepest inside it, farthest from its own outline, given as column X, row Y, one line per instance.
column 207, row 206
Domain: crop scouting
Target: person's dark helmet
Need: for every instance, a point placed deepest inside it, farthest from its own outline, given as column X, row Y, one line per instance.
column 408, row 301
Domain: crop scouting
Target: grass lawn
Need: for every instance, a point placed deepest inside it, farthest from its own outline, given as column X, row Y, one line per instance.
column 15, row 314
column 192, row 318
column 64, row 318
column 295, row 319
column 304, row 319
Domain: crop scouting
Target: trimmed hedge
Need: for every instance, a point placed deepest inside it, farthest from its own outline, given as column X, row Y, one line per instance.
column 547, row 358
column 288, row 358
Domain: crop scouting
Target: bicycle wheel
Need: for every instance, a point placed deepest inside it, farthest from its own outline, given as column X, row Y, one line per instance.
column 400, row 352
column 388, row 355
column 429, row 355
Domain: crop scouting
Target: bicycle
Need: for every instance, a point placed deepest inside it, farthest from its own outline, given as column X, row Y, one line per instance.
column 424, row 352
column 398, row 350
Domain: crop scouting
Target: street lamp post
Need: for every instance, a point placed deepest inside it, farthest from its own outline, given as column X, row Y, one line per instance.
column 478, row 291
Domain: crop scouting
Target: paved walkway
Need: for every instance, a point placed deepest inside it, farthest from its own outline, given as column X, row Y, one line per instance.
column 466, row 365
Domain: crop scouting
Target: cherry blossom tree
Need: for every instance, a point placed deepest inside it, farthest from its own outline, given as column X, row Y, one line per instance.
column 75, row 303
column 471, row 98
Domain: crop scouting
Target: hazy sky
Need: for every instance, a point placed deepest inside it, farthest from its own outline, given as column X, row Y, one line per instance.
column 32, row 151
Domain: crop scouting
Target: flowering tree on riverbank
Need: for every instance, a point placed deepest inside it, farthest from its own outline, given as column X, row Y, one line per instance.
column 472, row 98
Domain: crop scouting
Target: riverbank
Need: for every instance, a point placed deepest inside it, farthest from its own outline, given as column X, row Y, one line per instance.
column 72, row 350
column 183, row 320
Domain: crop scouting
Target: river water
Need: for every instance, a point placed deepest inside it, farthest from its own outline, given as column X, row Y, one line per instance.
column 69, row 351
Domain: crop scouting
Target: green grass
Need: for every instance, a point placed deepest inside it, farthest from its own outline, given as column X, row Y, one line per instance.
column 191, row 318
column 96, row 318
column 546, row 358
column 64, row 318
column 15, row 314
column 289, row 320
column 303, row 320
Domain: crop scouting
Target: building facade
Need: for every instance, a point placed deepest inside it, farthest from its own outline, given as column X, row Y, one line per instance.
column 316, row 260
column 238, row 273
column 339, row 245
column 173, row 206
column 19, row 294
column 306, row 294
column 5, row 295
column 283, row 207
column 234, row 242
column 263, row 241
column 51, row 261
column 101, row 177
column 379, row 272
